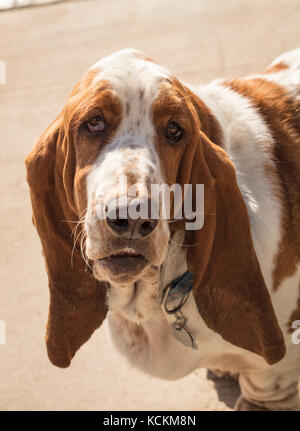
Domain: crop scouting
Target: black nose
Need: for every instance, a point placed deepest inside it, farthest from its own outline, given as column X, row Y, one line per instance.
column 129, row 227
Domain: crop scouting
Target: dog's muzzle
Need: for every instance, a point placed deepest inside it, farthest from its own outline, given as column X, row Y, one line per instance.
column 124, row 221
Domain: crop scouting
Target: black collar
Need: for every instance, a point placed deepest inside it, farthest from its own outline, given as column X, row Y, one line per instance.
column 177, row 289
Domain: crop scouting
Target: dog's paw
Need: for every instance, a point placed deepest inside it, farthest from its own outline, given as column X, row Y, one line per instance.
column 223, row 374
column 243, row 405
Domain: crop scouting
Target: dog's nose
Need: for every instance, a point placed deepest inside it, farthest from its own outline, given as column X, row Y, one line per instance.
column 122, row 223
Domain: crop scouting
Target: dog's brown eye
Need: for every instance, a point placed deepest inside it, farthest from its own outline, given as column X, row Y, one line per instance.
column 96, row 124
column 174, row 131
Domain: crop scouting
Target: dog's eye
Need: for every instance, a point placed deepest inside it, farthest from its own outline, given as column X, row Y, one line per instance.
column 173, row 131
column 96, row 124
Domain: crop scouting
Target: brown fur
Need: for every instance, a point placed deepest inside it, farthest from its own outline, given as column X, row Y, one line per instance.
column 229, row 288
column 276, row 68
column 282, row 117
column 56, row 172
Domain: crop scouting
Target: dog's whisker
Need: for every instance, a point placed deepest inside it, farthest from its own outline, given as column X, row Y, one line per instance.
column 73, row 233
column 74, row 246
column 79, row 238
column 72, row 221
column 184, row 245
column 82, row 248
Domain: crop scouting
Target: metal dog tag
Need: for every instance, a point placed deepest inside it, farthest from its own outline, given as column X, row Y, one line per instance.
column 183, row 336
column 170, row 295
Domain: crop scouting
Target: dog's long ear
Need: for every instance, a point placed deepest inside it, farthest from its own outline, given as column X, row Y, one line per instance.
column 77, row 300
column 230, row 291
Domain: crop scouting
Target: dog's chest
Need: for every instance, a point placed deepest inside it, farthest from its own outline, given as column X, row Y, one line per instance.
column 152, row 346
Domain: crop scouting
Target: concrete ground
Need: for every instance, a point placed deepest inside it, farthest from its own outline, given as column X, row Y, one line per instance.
column 46, row 49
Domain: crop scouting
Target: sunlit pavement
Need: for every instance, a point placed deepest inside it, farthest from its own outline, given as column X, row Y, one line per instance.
column 45, row 50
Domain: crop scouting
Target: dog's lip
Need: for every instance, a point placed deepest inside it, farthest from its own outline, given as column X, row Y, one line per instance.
column 124, row 253
column 124, row 262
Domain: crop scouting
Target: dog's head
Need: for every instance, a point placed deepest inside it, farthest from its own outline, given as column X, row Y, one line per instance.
column 130, row 125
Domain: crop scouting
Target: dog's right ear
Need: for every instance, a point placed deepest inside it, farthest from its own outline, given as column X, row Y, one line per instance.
column 229, row 288
column 77, row 300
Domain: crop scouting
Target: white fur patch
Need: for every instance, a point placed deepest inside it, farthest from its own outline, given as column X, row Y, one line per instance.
column 288, row 78
column 135, row 82
column 248, row 142
column 131, row 151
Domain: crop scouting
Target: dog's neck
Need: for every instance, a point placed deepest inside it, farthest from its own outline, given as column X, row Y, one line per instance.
column 175, row 263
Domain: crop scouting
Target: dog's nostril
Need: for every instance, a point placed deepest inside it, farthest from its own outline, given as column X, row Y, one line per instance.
column 124, row 222
column 119, row 225
column 147, row 227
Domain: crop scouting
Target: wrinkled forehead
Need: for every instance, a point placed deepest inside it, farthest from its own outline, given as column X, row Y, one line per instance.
column 131, row 76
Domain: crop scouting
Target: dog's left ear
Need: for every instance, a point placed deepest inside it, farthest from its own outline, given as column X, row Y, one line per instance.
column 77, row 300
column 229, row 288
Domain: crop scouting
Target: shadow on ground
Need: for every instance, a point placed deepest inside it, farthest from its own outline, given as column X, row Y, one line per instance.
column 227, row 388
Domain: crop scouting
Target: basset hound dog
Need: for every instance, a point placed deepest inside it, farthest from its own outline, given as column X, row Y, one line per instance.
column 224, row 295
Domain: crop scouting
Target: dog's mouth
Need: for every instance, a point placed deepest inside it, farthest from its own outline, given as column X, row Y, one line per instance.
column 124, row 261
